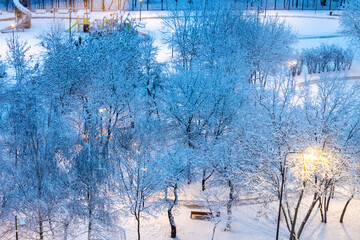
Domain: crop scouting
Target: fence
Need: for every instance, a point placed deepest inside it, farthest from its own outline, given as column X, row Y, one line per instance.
column 111, row 5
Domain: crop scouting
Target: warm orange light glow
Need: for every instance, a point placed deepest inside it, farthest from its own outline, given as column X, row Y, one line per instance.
column 315, row 161
column 291, row 63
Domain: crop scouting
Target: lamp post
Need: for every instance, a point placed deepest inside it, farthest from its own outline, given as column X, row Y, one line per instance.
column 16, row 228
column 21, row 221
column 140, row 8
column 12, row 28
column 283, row 172
column 172, row 43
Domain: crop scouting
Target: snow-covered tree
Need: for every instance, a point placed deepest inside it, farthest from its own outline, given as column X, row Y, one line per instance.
column 16, row 57
column 350, row 22
column 324, row 152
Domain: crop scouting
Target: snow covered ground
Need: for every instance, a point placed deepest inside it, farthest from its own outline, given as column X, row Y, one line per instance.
column 247, row 225
column 250, row 222
column 312, row 30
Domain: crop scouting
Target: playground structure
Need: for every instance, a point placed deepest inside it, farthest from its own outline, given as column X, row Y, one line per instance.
column 98, row 25
column 22, row 16
column 84, row 22
column 106, row 25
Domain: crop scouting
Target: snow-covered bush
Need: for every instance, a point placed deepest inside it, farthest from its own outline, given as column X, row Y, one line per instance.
column 326, row 58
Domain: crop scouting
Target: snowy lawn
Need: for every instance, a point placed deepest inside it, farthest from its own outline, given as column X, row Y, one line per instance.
column 254, row 222
column 312, row 28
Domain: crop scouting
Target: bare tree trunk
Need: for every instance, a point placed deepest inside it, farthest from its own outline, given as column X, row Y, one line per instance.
column 307, row 216
column 321, row 210
column 41, row 227
column 214, row 229
column 90, row 224
column 204, row 179
column 172, row 223
column 293, row 225
column 344, row 210
column 66, row 226
column 170, row 207
column 286, row 218
column 90, row 209
column 137, row 216
column 229, row 206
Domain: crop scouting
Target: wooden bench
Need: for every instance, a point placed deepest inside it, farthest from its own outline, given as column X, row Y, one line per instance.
column 335, row 14
column 201, row 215
column 63, row 11
column 40, row 11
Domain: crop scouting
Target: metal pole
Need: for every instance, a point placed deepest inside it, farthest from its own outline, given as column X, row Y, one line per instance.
column 140, row 8
column 16, row 228
column 280, row 201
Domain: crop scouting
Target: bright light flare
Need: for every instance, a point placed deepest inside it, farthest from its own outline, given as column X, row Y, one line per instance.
column 314, row 161
column 291, row 63
column 101, row 110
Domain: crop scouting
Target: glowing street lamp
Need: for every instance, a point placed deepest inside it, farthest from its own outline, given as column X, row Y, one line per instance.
column 291, row 63
column 292, row 67
column 12, row 28
column 316, row 161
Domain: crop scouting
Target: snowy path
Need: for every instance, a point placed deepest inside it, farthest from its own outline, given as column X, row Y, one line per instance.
column 301, row 37
column 346, row 78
